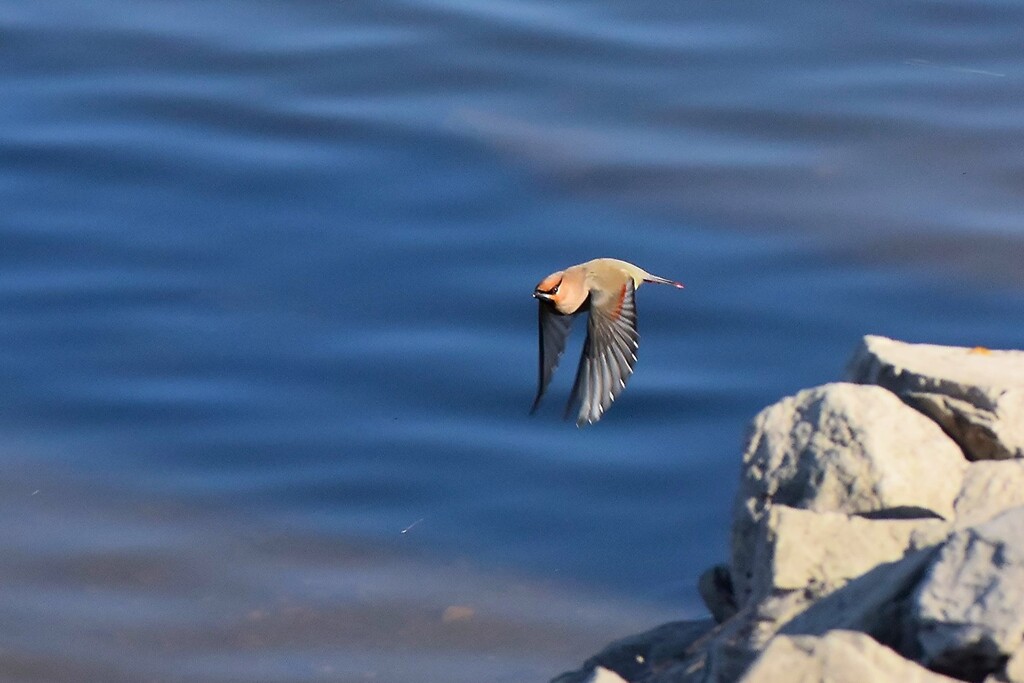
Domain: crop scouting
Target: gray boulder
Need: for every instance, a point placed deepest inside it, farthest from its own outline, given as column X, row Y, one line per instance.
column 990, row 487
column 1012, row 672
column 836, row 657
column 817, row 552
column 976, row 395
column 841, row 448
column 875, row 603
column 864, row 543
column 968, row 612
column 715, row 589
column 815, row 571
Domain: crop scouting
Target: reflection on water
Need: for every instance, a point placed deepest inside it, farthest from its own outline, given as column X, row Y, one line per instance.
column 265, row 304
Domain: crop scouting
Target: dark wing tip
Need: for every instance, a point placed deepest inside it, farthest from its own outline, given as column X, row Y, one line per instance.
column 553, row 331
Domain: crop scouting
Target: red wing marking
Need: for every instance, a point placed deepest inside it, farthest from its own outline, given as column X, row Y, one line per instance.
column 617, row 311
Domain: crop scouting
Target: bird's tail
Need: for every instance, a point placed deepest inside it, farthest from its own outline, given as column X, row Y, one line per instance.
column 662, row 281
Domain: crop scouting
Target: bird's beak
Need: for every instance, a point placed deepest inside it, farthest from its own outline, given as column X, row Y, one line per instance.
column 544, row 296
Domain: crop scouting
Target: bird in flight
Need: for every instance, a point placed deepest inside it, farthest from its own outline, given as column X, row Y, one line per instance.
column 606, row 288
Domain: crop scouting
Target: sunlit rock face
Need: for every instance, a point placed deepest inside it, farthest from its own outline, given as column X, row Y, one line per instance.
column 877, row 535
column 975, row 394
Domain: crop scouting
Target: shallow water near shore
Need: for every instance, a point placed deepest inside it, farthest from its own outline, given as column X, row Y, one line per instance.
column 267, row 343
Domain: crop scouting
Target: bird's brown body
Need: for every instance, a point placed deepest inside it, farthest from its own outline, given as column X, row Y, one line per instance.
column 605, row 287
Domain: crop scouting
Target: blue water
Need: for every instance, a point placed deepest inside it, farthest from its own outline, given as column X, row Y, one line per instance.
column 267, row 343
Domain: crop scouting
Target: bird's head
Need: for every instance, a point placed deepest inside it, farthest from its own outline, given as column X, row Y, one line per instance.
column 566, row 290
column 548, row 288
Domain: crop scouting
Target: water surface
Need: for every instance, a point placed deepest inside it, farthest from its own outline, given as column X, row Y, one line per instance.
column 266, row 336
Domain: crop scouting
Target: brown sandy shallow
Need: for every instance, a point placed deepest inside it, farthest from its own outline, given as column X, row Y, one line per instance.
column 105, row 586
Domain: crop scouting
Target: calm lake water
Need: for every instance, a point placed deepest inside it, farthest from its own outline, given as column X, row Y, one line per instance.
column 267, row 343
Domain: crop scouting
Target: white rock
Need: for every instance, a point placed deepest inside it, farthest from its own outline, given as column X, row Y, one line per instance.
column 837, row 657
column 990, row 487
column 603, row 675
column 841, row 448
column 976, row 395
column 969, row 610
column 817, row 552
column 873, row 603
column 1014, row 671
column 816, row 571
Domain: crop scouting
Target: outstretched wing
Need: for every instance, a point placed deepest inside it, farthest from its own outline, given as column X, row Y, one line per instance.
column 609, row 355
column 553, row 333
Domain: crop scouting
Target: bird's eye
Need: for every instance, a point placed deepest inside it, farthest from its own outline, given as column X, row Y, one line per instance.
column 554, row 290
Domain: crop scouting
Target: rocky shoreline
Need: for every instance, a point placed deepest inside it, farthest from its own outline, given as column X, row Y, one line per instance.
column 877, row 535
